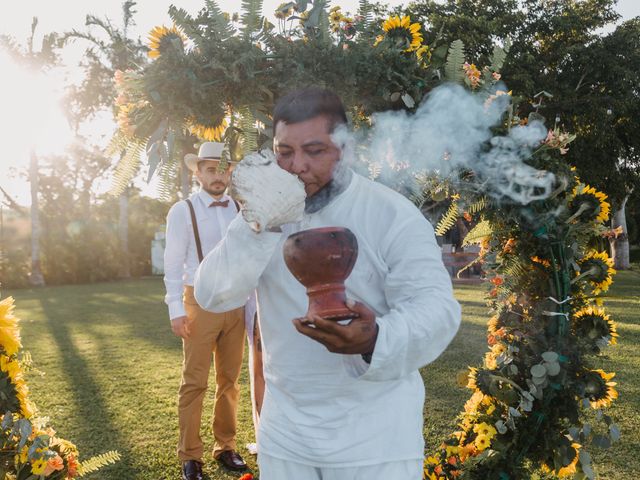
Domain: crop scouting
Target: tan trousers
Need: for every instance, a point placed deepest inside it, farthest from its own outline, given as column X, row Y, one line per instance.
column 220, row 334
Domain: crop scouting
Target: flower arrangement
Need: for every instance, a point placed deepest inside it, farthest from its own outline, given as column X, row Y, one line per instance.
column 532, row 396
column 29, row 448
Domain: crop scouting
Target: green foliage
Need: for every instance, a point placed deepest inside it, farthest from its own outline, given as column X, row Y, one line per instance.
column 453, row 71
column 480, row 231
column 94, row 464
column 448, row 220
column 252, row 19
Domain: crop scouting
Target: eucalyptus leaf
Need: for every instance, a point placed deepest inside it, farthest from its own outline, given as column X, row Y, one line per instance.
column 408, row 100
column 553, row 368
column 538, row 371
column 550, row 357
column 501, row 427
column 614, row 432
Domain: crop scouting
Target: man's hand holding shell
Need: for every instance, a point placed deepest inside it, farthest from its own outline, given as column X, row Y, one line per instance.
column 268, row 195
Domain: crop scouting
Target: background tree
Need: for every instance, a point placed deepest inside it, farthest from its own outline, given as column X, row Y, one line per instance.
column 562, row 67
column 109, row 49
column 37, row 61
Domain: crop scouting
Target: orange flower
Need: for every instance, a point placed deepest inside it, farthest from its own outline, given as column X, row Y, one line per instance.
column 72, row 466
column 246, row 476
column 497, row 281
column 54, row 463
column 467, row 216
column 508, row 247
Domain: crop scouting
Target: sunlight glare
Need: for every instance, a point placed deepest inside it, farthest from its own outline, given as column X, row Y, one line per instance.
column 31, row 114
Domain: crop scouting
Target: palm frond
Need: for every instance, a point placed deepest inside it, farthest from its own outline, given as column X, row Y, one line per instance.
column 251, row 18
column 128, row 164
column 168, row 174
column 97, row 462
column 453, row 70
column 365, row 11
column 476, row 234
column 477, row 206
column 448, row 220
column 247, row 125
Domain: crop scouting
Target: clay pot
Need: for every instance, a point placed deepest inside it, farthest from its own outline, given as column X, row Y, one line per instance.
column 321, row 259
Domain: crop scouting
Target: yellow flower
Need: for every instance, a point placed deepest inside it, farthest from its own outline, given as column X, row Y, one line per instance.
column 335, row 16
column 593, row 323
column 485, row 429
column 599, row 388
column 211, row 132
column 567, row 470
column 589, row 204
column 9, row 331
column 38, row 466
column 402, row 28
column 160, row 38
column 482, row 442
column 424, row 53
column 12, row 367
column 598, row 269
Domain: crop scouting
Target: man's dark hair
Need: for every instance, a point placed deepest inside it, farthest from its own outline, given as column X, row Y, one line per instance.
column 307, row 103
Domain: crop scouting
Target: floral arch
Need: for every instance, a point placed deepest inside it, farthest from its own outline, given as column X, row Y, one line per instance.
column 215, row 76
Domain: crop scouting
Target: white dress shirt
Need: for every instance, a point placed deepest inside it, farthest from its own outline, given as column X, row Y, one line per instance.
column 180, row 254
column 327, row 409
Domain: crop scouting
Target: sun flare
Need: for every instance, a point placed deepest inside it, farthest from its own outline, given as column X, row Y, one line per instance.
column 31, row 119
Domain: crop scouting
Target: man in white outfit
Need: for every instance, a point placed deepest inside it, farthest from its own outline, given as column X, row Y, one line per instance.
column 342, row 402
column 194, row 227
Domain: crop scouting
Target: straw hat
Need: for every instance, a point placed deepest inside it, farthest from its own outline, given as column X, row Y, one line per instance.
column 207, row 151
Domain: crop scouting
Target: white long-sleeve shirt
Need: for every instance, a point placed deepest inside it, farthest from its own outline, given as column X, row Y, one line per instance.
column 327, row 409
column 180, row 254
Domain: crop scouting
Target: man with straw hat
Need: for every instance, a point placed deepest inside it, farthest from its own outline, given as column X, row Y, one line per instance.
column 194, row 227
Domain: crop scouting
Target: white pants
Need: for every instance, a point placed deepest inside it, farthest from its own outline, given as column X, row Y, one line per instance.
column 275, row 469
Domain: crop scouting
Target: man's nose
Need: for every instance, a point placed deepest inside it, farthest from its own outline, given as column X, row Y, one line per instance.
column 298, row 164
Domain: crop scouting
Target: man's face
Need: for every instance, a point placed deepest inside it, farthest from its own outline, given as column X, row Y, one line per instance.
column 305, row 149
column 213, row 180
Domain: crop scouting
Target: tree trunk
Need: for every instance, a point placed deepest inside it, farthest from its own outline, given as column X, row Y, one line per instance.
column 35, row 277
column 123, row 230
column 620, row 245
column 185, row 180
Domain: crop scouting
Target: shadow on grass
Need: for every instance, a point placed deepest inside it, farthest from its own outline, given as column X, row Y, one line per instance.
column 101, row 431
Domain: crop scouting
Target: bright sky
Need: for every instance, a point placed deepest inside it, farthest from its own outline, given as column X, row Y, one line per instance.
column 29, row 115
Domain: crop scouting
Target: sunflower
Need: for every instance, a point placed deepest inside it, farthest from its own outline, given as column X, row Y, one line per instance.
column 161, row 38
column 479, row 380
column 9, row 332
column 599, row 388
column 424, row 53
column 208, row 131
column 588, row 204
column 482, row 442
column 403, row 31
column 597, row 267
column 593, row 324
column 569, row 469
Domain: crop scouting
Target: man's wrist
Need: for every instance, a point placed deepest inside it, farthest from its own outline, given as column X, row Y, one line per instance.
column 367, row 357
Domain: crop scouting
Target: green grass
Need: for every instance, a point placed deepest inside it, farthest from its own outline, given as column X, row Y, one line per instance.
column 108, row 369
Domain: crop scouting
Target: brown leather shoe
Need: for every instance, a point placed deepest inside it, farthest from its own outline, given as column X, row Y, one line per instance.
column 192, row 470
column 232, row 460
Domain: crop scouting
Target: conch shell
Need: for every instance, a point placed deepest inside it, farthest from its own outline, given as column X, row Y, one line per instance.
column 269, row 196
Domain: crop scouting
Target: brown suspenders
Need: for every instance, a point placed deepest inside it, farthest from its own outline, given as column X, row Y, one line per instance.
column 196, row 234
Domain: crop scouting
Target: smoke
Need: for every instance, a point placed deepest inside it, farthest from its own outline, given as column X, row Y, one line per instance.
column 451, row 132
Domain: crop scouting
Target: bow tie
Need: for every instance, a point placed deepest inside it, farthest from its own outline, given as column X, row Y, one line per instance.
column 219, row 204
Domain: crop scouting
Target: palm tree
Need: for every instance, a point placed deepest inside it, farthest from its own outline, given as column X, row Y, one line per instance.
column 109, row 49
column 37, row 62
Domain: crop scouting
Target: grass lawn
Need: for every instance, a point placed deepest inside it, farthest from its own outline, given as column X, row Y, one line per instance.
column 107, row 369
